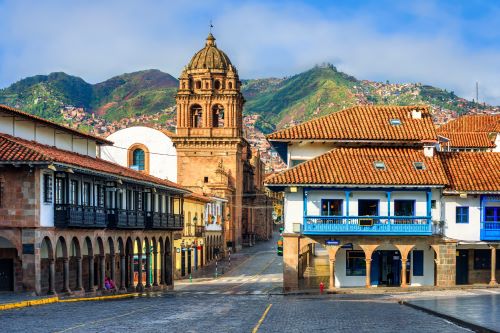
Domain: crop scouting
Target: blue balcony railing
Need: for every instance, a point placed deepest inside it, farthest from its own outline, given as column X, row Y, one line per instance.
column 490, row 231
column 367, row 225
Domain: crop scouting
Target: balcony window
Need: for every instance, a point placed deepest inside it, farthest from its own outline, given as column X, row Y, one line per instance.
column 73, row 192
column 47, row 188
column 404, row 207
column 86, row 194
column 331, row 207
column 462, row 215
column 59, row 190
column 355, row 263
column 99, row 191
column 492, row 214
column 368, row 207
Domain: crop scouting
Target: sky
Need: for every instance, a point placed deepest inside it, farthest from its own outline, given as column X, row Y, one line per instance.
column 449, row 44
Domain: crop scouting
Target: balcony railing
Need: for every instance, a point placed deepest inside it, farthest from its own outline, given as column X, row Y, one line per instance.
column 367, row 225
column 127, row 219
column 490, row 231
column 77, row 216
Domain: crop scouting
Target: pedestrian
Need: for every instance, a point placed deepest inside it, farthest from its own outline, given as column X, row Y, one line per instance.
column 107, row 284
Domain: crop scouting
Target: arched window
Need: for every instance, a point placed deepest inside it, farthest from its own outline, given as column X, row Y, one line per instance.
column 217, row 85
column 196, row 115
column 230, row 85
column 198, row 84
column 217, row 116
column 138, row 159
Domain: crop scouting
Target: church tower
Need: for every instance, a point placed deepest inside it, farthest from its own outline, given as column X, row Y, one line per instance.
column 211, row 150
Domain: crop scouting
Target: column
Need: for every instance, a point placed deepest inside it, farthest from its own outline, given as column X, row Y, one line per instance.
column 79, row 272
column 493, row 280
column 131, row 272
column 162, row 268
column 123, row 272
column 347, row 195
column 148, row 271
column 388, row 194
column 404, row 260
column 91, row 273
column 102, row 271
column 140, row 286
column 66, row 275
column 155, row 268
column 368, row 272
column 112, row 263
column 331, row 286
column 52, row 277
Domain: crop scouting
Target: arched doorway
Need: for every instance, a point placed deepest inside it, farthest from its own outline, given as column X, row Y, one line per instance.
column 168, row 262
column 62, row 266
column 8, row 263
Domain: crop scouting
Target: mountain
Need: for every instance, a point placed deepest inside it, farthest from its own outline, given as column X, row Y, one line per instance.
column 149, row 97
column 131, row 94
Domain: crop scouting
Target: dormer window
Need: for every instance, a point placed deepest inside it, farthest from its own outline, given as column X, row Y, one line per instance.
column 379, row 165
column 419, row 165
column 395, row 122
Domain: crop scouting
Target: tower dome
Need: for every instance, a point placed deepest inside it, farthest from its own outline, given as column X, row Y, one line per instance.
column 210, row 57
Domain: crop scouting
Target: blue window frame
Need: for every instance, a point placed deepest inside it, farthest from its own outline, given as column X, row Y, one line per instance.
column 138, row 159
column 418, row 263
column 355, row 263
column 462, row 215
column 492, row 214
column 404, row 207
column 331, row 207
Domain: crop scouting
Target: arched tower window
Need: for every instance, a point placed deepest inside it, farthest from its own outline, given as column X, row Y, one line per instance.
column 230, row 85
column 138, row 157
column 198, row 84
column 217, row 85
column 196, row 115
column 217, row 116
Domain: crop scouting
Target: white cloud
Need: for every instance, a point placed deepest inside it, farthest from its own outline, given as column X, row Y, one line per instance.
column 97, row 40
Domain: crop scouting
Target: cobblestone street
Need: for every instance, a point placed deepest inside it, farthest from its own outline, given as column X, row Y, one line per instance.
column 235, row 302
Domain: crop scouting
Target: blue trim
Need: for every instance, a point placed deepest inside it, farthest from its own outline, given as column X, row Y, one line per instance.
column 304, row 200
column 462, row 211
column 347, row 194
column 429, row 203
column 388, row 194
column 364, row 189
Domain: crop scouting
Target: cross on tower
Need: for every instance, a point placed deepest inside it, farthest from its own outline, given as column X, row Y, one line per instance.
column 211, row 26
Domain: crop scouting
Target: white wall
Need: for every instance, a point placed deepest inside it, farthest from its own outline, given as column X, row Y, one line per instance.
column 341, row 279
column 497, row 143
column 428, row 278
column 293, row 209
column 306, row 150
column 46, row 209
column 162, row 157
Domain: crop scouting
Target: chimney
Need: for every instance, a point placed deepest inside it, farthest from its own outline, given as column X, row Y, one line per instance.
column 429, row 148
column 416, row 114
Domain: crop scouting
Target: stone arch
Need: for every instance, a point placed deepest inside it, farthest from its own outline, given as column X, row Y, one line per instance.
column 196, row 116
column 88, row 265
column 61, row 265
column 12, row 269
column 168, row 262
column 217, row 84
column 129, row 263
column 75, row 265
column 47, row 267
column 217, row 115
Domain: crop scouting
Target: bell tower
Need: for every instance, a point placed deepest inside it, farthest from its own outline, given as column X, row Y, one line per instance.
column 209, row 101
column 211, row 150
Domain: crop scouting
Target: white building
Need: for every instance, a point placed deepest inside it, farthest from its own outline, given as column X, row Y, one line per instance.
column 144, row 149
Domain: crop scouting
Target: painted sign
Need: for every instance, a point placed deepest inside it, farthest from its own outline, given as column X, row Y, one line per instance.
column 332, row 242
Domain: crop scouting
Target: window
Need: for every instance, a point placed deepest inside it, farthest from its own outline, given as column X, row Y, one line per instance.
column 296, row 162
column 47, row 188
column 217, row 84
column 331, row 207
column 419, row 165
column 355, row 263
column 492, row 214
column 86, row 194
column 367, row 207
column 205, row 179
column 130, row 199
column 73, row 192
column 395, row 122
column 418, row 263
column 404, row 207
column 59, row 189
column 198, row 84
column 196, row 115
column 433, row 204
column 99, row 190
column 138, row 159
column 379, row 165
column 462, row 215
column 482, row 259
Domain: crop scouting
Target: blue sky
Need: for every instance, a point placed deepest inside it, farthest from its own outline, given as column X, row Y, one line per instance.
column 449, row 44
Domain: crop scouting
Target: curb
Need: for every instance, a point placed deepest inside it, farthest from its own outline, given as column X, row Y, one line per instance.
column 51, row 300
column 459, row 322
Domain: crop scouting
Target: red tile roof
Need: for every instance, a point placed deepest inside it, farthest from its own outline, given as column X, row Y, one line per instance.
column 199, row 197
column 364, row 122
column 14, row 149
column 472, row 123
column 468, row 140
column 355, row 166
column 19, row 113
column 472, row 171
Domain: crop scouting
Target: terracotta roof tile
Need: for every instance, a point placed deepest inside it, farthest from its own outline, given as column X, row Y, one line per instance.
column 472, row 171
column 355, row 166
column 472, row 123
column 468, row 140
column 199, row 197
column 364, row 122
column 52, row 124
column 13, row 149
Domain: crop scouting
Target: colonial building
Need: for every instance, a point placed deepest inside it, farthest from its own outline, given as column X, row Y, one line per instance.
column 366, row 184
column 471, row 133
column 213, row 157
column 68, row 218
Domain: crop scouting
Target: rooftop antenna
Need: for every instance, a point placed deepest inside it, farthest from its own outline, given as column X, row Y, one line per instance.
column 477, row 93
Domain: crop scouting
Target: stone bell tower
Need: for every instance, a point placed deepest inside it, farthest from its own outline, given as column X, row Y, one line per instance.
column 209, row 137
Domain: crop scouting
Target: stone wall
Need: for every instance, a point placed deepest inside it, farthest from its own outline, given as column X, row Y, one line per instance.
column 19, row 205
column 446, row 264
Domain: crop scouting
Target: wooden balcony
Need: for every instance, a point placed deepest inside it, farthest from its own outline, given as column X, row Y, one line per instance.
column 490, row 231
column 125, row 219
column 77, row 216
